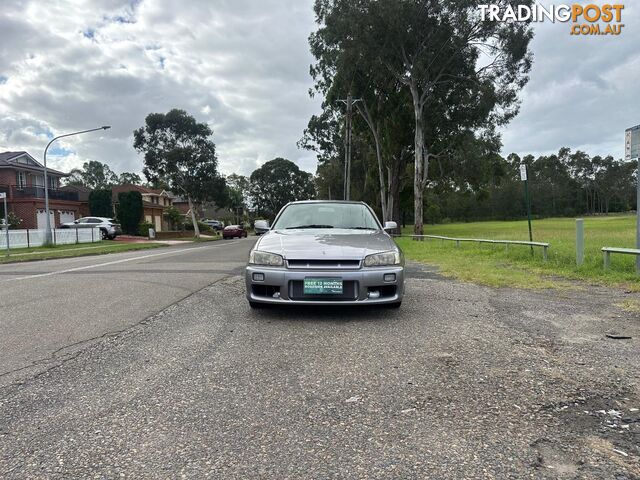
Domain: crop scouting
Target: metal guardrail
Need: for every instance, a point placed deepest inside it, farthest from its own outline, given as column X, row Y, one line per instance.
column 607, row 251
column 506, row 243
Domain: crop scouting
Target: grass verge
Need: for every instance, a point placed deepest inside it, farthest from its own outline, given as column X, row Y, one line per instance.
column 68, row 251
column 495, row 266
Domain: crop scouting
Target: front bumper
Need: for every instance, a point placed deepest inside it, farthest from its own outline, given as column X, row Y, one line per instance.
column 282, row 286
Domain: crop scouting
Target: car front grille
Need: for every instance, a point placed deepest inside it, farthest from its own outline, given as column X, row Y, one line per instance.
column 324, row 264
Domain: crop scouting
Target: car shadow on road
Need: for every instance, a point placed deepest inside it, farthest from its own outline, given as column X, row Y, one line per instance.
column 322, row 313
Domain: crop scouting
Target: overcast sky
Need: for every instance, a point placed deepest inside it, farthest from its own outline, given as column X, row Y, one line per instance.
column 243, row 67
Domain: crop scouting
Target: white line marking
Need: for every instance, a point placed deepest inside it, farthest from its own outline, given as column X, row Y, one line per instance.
column 87, row 267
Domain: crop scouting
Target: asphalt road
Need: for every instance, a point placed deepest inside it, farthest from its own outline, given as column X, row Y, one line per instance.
column 461, row 382
column 52, row 307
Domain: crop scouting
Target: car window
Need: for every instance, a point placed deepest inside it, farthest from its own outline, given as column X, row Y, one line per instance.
column 326, row 215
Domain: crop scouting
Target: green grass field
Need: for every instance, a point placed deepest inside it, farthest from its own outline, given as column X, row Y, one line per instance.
column 492, row 265
column 68, row 251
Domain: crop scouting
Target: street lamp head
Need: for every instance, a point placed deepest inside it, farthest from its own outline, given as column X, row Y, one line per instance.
column 106, row 127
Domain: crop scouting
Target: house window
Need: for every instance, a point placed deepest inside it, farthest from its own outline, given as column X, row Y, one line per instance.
column 21, row 179
column 53, row 182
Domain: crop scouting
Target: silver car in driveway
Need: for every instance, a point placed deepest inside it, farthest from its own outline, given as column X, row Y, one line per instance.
column 326, row 253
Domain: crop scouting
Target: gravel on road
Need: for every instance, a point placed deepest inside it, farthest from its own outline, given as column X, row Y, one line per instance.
column 461, row 382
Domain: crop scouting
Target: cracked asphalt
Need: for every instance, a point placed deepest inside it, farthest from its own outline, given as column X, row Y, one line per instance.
column 461, row 382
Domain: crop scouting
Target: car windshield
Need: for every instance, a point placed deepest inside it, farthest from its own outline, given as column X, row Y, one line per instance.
column 327, row 215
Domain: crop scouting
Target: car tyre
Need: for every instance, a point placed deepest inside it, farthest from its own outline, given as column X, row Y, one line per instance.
column 105, row 235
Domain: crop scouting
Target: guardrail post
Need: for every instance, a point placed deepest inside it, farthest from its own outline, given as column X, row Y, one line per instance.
column 607, row 259
column 579, row 241
column 458, row 243
column 506, row 247
column 545, row 253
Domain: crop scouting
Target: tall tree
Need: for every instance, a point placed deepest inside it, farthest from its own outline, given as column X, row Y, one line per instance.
column 93, row 174
column 130, row 178
column 179, row 151
column 462, row 73
column 238, row 192
column 277, row 183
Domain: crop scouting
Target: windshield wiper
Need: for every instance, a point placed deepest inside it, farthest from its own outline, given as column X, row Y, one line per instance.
column 360, row 228
column 309, row 226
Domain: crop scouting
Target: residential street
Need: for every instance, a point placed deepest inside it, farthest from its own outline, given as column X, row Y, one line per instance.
column 151, row 365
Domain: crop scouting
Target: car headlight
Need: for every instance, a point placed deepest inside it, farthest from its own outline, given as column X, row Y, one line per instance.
column 257, row 257
column 384, row 258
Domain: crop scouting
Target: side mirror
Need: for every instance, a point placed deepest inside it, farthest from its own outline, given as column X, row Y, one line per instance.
column 390, row 226
column 76, row 221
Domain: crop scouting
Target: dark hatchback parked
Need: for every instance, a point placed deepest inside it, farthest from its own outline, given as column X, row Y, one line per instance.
column 233, row 231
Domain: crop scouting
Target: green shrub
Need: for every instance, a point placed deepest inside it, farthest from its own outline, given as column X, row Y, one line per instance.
column 100, row 203
column 130, row 211
column 204, row 228
column 14, row 220
column 143, row 228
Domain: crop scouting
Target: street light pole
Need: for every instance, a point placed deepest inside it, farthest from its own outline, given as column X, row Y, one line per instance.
column 47, row 234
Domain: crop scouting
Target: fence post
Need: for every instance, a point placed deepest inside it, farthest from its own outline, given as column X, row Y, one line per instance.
column 77, row 241
column 579, row 241
column 91, row 234
column 607, row 259
column 28, row 241
column 54, row 236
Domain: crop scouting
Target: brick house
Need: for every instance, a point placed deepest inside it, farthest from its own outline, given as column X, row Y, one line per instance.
column 154, row 203
column 22, row 179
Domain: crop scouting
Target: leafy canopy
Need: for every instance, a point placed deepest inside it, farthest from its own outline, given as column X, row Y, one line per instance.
column 277, row 183
column 178, row 150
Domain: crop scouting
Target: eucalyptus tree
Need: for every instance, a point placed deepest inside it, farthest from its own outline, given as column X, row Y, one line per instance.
column 179, row 151
column 463, row 74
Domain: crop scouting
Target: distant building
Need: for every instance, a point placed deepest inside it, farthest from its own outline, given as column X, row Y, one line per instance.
column 22, row 179
column 154, row 203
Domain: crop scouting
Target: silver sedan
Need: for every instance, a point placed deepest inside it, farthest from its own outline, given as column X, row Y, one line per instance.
column 326, row 252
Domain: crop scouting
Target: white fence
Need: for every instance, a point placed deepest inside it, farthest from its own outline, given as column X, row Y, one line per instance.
column 60, row 236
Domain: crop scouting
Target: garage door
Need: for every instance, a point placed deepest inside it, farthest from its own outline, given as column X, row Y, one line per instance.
column 42, row 219
column 67, row 217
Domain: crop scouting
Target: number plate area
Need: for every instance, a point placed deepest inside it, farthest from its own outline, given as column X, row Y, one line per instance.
column 323, row 286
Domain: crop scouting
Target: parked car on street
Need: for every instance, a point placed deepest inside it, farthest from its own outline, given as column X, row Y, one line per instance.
column 217, row 225
column 261, row 227
column 326, row 253
column 232, row 231
column 107, row 226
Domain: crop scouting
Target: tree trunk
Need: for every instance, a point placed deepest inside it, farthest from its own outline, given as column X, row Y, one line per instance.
column 418, row 178
column 383, row 193
column 364, row 112
column 196, row 230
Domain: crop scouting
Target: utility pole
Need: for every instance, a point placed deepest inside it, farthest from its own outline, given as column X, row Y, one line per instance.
column 347, row 145
column 525, row 178
column 3, row 196
column 47, row 233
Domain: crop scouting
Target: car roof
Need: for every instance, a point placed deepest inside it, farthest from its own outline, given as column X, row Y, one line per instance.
column 353, row 202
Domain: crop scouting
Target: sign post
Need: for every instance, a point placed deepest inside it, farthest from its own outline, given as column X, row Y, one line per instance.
column 3, row 196
column 524, row 177
column 632, row 152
